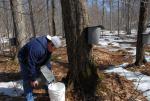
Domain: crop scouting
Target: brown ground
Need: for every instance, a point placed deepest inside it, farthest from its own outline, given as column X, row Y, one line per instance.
column 111, row 87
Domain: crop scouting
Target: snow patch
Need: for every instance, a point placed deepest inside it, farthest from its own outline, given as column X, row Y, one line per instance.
column 115, row 44
column 12, row 88
column 141, row 82
column 103, row 43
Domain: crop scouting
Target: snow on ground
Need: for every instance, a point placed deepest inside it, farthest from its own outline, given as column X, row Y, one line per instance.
column 12, row 88
column 132, row 51
column 141, row 82
column 124, row 42
column 147, row 30
column 4, row 40
column 103, row 43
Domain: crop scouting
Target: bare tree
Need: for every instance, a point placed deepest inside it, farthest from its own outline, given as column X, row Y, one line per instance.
column 7, row 28
column 82, row 70
column 97, row 11
column 53, row 18
column 47, row 11
column 110, row 3
column 5, row 18
column 140, row 59
column 32, row 19
column 15, row 30
column 128, row 26
column 103, row 14
column 18, row 22
column 118, row 16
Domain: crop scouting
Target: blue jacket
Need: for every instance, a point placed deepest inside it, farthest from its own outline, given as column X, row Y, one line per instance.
column 34, row 54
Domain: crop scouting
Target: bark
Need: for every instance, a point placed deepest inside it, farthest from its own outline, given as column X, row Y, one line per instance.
column 53, row 18
column 47, row 11
column 5, row 18
column 103, row 14
column 6, row 24
column 18, row 23
column 110, row 2
column 141, row 28
column 128, row 17
column 118, row 17
column 82, row 70
column 15, row 30
column 32, row 19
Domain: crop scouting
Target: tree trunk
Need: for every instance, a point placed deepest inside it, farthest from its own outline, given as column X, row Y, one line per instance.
column 5, row 18
column 118, row 17
column 98, row 13
column 110, row 2
column 53, row 18
column 103, row 14
column 79, row 51
column 6, row 23
column 123, row 9
column 128, row 17
column 32, row 19
column 18, row 23
column 48, row 21
column 141, row 28
column 15, row 30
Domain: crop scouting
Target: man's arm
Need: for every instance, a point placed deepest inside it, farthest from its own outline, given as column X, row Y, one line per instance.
column 32, row 66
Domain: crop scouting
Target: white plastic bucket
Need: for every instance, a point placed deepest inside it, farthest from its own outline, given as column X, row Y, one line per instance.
column 56, row 91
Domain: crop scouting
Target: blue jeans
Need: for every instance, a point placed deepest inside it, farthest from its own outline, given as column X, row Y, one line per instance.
column 28, row 89
column 26, row 82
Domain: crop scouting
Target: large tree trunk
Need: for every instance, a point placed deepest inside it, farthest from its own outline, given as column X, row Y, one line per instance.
column 83, row 73
column 19, row 23
column 141, row 28
column 15, row 30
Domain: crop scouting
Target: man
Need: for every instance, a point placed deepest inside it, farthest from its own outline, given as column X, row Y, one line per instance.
column 32, row 56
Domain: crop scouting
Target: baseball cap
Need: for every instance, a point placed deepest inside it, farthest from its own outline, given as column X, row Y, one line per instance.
column 55, row 40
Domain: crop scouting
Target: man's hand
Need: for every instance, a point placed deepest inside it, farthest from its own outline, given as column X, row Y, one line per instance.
column 34, row 83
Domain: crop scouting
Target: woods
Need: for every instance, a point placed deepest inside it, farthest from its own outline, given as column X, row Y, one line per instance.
column 83, row 67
